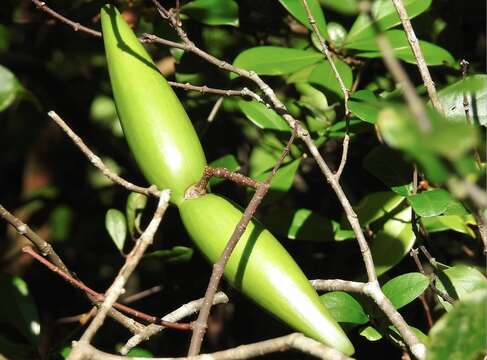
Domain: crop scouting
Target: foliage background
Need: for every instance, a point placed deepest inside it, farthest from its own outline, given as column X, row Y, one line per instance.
column 50, row 185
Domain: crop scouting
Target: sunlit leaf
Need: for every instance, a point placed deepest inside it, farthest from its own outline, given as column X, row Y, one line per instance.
column 272, row 60
column 431, row 203
column 116, row 226
column 461, row 333
column 262, row 116
column 405, row 288
column 344, row 308
column 296, row 9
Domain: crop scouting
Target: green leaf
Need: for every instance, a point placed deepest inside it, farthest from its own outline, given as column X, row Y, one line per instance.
column 9, row 88
column 272, row 60
column 324, row 76
column 475, row 87
column 393, row 242
column 434, row 55
column 385, row 15
column 346, row 7
column 116, row 226
column 399, row 129
column 4, row 38
column 461, row 333
column 301, row 224
column 365, row 105
column 403, row 289
column 389, row 167
column 262, row 116
column 178, row 254
column 283, row 180
column 134, row 209
column 430, row 203
column 370, row 333
column 60, row 220
column 316, row 102
column 18, row 309
column 265, row 154
column 447, row 222
column 344, row 308
column 213, row 12
column 228, row 162
column 139, row 353
column 458, row 281
column 375, row 206
column 296, row 9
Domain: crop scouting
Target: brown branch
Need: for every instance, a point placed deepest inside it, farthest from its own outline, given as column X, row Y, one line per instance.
column 295, row 341
column 41, row 5
column 245, row 92
column 100, row 297
column 178, row 314
column 142, row 294
column 432, row 287
column 418, row 54
column 338, row 285
column 199, row 326
column 117, row 287
column 46, row 250
column 98, row 163
column 414, row 102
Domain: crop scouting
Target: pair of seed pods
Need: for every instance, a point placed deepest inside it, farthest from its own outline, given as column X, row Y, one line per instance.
column 168, row 151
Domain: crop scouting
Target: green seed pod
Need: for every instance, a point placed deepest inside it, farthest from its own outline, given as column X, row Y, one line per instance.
column 157, row 128
column 262, row 269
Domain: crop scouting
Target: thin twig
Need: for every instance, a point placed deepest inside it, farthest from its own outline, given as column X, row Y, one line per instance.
column 98, row 163
column 46, row 250
column 199, row 326
column 443, row 295
column 245, row 92
column 338, row 285
column 142, row 294
column 346, row 92
column 418, row 54
column 117, row 287
column 178, row 314
column 100, row 297
column 295, row 341
column 414, row 102
column 41, row 5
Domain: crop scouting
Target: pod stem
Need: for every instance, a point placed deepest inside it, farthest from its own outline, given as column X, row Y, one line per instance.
column 199, row 326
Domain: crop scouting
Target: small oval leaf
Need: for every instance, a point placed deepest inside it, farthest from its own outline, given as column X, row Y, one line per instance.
column 116, row 226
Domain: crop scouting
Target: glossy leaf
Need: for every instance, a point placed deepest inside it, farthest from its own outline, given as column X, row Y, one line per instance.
column 344, row 307
column 346, row 7
column 365, row 105
column 445, row 138
column 134, row 209
column 17, row 308
column 403, row 289
column 393, row 242
column 301, row 224
column 283, row 179
column 389, row 167
column 139, row 353
column 116, row 226
column 375, row 206
column 371, row 333
column 461, row 333
column 475, row 88
column 9, row 88
column 324, row 76
column 385, row 15
column 296, row 9
column 458, row 281
column 273, row 60
column 316, row 102
column 265, row 154
column 447, row 222
column 228, row 162
column 176, row 255
column 430, row 203
column 262, row 116
column 434, row 55
column 212, row 12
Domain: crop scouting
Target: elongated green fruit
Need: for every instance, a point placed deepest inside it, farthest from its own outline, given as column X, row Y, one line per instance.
column 262, row 269
column 157, row 128
column 167, row 149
